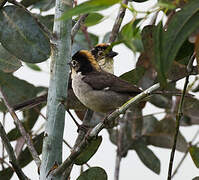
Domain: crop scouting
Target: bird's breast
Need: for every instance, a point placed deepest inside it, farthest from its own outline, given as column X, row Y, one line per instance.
column 97, row 100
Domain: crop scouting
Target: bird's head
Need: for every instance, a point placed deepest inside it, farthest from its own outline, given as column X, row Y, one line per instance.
column 83, row 61
column 103, row 51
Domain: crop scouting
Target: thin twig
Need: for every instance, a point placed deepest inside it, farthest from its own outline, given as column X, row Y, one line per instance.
column 22, row 130
column 179, row 116
column 77, row 26
column 42, row 26
column 87, row 36
column 184, row 156
column 4, row 116
column 94, row 131
column 119, row 147
column 12, row 157
column 118, row 22
column 81, row 135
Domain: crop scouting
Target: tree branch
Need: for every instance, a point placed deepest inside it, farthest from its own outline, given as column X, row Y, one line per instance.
column 94, row 132
column 118, row 22
column 77, row 26
column 179, row 116
column 58, row 91
column 22, row 130
column 12, row 157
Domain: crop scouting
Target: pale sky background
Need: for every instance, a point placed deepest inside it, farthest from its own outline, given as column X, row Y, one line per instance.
column 131, row 166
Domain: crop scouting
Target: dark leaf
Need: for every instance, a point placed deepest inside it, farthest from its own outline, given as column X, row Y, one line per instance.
column 134, row 75
column 163, row 133
column 93, row 19
column 89, row 151
column 22, row 36
column 47, row 20
column 16, row 90
column 44, row 5
column 168, row 44
column 158, row 58
column 147, row 157
column 8, row 62
column 94, row 173
column 80, row 41
column 89, row 6
column 160, row 101
column 28, row 3
column 194, row 152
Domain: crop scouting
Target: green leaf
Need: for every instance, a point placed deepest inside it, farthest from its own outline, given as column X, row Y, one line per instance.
column 134, row 75
column 94, row 173
column 147, row 156
column 169, row 43
column 21, row 35
column 33, row 67
column 47, row 20
column 93, row 19
column 89, row 6
column 158, row 58
column 194, row 152
column 8, row 62
column 16, row 90
column 80, row 41
column 89, row 151
column 131, row 37
column 28, row 3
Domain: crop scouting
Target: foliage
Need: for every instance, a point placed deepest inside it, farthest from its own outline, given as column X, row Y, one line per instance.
column 163, row 52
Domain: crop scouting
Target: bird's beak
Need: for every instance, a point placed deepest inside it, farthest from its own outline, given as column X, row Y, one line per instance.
column 112, row 54
column 69, row 63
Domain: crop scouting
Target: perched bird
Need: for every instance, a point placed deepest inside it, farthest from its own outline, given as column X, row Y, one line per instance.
column 103, row 54
column 98, row 90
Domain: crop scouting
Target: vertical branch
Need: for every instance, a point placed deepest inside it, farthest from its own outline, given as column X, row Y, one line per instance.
column 179, row 116
column 118, row 22
column 12, row 157
column 57, row 93
column 22, row 130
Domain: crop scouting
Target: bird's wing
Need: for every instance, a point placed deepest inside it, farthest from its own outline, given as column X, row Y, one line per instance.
column 106, row 81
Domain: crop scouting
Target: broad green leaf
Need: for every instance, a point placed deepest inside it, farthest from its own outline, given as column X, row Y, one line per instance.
column 147, row 156
column 80, row 41
column 33, row 67
column 47, row 20
column 163, row 133
column 15, row 89
column 89, row 6
column 194, row 152
column 94, row 173
column 158, row 58
column 166, row 4
column 21, row 35
column 93, row 19
column 8, row 62
column 89, row 151
column 131, row 37
column 134, row 75
column 168, row 44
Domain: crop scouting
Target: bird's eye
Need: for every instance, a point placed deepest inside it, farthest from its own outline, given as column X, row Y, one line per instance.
column 74, row 63
column 100, row 53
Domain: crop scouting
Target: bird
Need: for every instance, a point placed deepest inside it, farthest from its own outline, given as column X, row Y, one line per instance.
column 97, row 89
column 102, row 53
